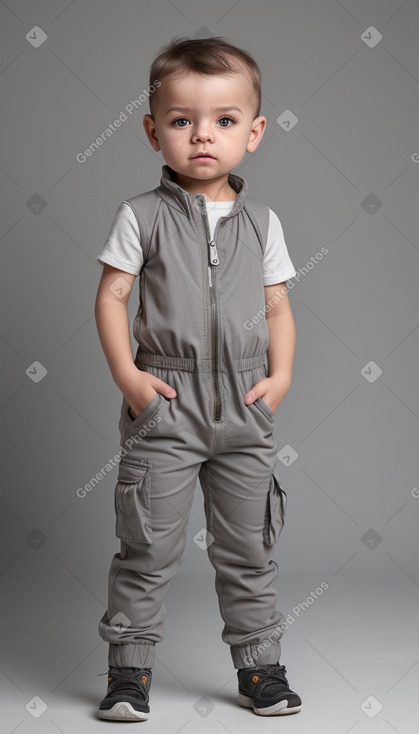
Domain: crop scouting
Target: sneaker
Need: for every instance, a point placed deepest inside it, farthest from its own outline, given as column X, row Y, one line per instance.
column 265, row 689
column 128, row 695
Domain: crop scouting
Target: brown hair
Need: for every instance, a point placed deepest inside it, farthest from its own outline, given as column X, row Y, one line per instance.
column 208, row 56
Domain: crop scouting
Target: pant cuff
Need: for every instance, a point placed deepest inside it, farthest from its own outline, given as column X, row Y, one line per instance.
column 132, row 655
column 256, row 653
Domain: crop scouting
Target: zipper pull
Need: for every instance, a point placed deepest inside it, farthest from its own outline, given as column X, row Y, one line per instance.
column 213, row 254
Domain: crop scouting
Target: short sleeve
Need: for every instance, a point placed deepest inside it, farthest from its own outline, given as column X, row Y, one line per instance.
column 277, row 264
column 122, row 248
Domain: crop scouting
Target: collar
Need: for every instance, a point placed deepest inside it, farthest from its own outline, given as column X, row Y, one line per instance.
column 176, row 196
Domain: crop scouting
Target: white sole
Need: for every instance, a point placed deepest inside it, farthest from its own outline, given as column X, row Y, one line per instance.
column 122, row 711
column 278, row 709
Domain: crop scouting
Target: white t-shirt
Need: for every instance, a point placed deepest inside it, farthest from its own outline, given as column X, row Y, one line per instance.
column 122, row 248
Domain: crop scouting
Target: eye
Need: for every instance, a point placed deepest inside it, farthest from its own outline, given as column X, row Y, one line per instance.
column 184, row 119
column 226, row 118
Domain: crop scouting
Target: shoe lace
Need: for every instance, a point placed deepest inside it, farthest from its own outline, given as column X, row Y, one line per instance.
column 274, row 675
column 125, row 683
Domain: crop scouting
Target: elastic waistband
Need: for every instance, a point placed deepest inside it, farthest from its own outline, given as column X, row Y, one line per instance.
column 187, row 364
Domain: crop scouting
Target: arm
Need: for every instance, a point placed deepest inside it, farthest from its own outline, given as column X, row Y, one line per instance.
column 112, row 322
column 282, row 339
column 113, row 328
column 282, row 335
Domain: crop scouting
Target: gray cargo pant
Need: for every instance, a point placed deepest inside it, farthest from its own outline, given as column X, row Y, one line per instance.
column 172, row 443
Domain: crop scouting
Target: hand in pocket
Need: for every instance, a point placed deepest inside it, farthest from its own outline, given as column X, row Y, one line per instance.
column 139, row 389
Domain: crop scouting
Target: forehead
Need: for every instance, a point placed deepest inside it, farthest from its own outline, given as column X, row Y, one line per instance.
column 194, row 90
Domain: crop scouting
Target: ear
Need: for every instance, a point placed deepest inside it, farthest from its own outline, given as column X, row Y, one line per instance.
column 256, row 133
column 149, row 125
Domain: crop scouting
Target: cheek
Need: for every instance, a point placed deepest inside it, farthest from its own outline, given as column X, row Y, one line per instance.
column 166, row 142
column 173, row 140
column 235, row 143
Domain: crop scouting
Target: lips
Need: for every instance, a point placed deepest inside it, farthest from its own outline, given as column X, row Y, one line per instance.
column 203, row 155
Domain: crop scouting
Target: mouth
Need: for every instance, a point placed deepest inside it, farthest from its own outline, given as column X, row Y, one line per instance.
column 203, row 156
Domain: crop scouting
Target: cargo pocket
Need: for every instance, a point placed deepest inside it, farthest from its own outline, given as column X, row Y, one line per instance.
column 276, row 505
column 132, row 501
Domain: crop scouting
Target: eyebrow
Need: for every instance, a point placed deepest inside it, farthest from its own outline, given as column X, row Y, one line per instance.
column 216, row 109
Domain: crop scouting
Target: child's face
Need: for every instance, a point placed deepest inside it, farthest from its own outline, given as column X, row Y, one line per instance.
column 196, row 125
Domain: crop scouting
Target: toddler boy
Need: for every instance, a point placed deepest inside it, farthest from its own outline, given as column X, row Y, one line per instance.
column 216, row 341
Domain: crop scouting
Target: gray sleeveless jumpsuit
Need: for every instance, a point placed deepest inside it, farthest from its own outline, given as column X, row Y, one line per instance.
column 196, row 330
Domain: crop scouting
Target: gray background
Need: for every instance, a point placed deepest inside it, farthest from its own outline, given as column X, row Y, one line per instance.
column 353, row 500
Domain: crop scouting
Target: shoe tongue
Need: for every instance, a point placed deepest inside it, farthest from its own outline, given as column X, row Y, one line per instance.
column 267, row 667
column 128, row 670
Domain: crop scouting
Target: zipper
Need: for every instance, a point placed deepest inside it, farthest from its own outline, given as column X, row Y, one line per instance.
column 213, row 260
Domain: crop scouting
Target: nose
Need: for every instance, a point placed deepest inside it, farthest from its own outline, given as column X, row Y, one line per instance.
column 202, row 133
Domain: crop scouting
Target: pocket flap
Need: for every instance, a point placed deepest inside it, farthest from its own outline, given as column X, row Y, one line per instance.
column 131, row 472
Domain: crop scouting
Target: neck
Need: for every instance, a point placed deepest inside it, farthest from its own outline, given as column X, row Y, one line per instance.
column 217, row 189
